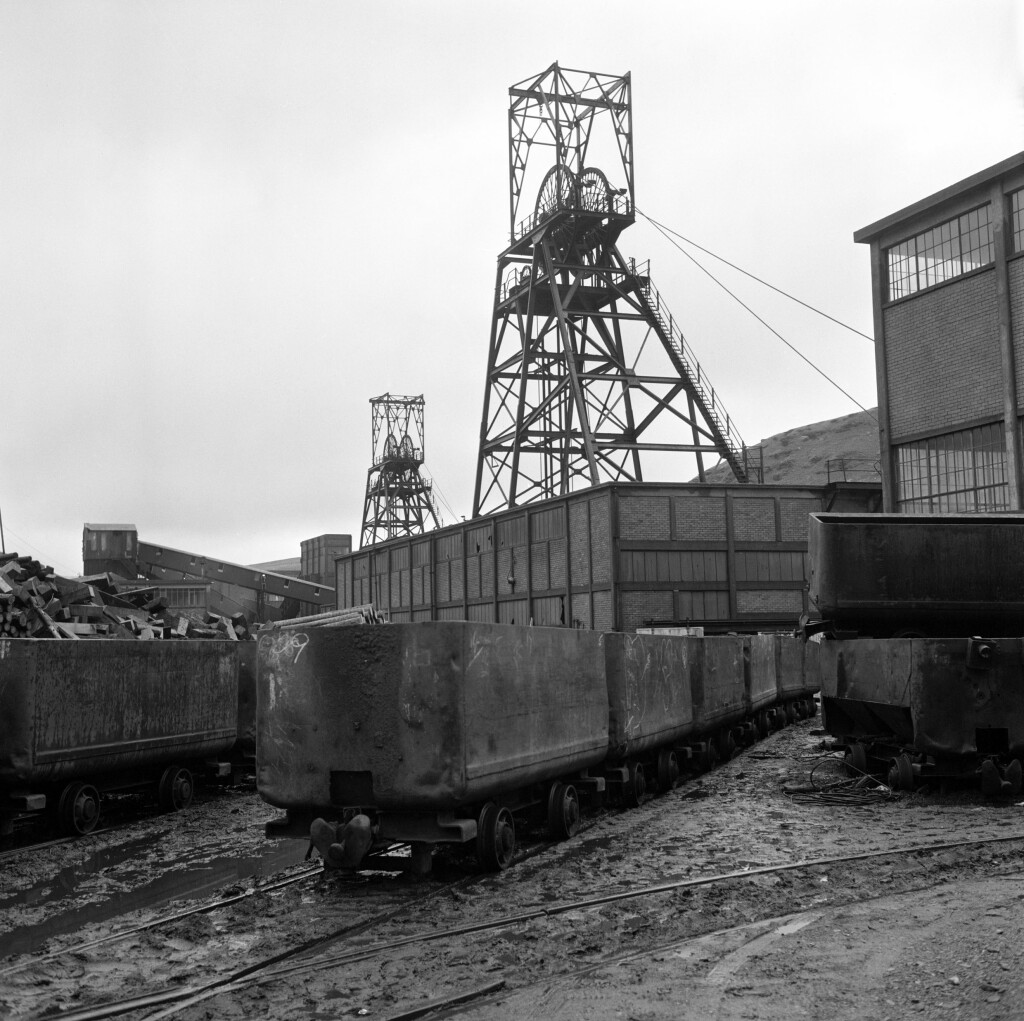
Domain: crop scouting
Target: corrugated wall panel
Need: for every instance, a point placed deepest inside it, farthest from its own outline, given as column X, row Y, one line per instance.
column 600, row 559
column 513, row 611
column 481, row 613
column 549, row 611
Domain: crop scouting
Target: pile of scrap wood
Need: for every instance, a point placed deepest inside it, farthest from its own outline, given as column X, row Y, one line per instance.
column 346, row 617
column 37, row 603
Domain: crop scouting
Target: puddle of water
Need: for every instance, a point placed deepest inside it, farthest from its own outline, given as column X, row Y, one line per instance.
column 596, row 844
column 108, row 899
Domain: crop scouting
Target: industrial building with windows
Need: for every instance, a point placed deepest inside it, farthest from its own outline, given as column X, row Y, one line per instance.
column 947, row 277
column 193, row 585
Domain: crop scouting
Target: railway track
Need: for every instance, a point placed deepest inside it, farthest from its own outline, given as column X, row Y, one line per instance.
column 537, row 998
column 185, row 995
column 311, row 871
column 120, row 812
column 35, row 846
column 37, row 837
column 120, row 935
column 449, row 943
column 921, row 867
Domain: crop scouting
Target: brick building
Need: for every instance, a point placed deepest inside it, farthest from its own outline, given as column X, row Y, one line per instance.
column 947, row 276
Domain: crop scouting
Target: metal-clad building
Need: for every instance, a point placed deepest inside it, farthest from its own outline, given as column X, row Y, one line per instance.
column 318, row 555
column 614, row 557
column 947, row 277
column 317, row 563
column 110, row 547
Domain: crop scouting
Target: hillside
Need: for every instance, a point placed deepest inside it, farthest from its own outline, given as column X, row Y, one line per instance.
column 800, row 456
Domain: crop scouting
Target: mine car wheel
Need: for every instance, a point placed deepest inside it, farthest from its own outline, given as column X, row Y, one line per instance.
column 726, row 744
column 901, row 773
column 1013, row 775
column 856, row 759
column 812, row 707
column 78, row 810
column 791, row 713
column 563, row 811
column 706, row 755
column 699, row 757
column 668, row 769
column 712, row 756
column 495, row 838
column 635, row 787
column 421, row 858
column 763, row 723
column 176, row 788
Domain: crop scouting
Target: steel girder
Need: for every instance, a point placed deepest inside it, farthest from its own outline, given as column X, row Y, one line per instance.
column 588, row 382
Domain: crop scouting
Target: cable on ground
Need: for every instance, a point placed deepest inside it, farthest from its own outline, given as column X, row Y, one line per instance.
column 855, row 790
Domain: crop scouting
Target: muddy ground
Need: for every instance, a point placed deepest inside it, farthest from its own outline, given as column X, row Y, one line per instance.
column 614, row 923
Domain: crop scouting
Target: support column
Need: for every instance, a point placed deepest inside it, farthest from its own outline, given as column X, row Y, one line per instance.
column 885, row 456
column 1011, row 434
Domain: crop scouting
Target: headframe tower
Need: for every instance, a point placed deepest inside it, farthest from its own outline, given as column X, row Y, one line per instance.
column 589, row 377
column 398, row 497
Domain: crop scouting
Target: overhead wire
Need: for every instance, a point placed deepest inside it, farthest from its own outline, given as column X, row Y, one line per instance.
column 754, row 276
column 821, row 372
column 448, row 507
column 48, row 561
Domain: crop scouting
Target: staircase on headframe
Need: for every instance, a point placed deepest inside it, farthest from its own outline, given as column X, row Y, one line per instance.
column 589, row 376
column 727, row 439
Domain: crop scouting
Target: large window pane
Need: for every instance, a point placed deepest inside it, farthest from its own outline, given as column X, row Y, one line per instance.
column 941, row 253
column 963, row 471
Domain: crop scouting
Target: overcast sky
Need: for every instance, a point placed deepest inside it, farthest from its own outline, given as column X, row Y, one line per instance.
column 226, row 226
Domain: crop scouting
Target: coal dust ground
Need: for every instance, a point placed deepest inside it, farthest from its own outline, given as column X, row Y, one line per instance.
column 615, row 923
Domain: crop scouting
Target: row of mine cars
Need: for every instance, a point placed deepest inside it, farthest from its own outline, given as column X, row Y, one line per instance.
column 447, row 732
